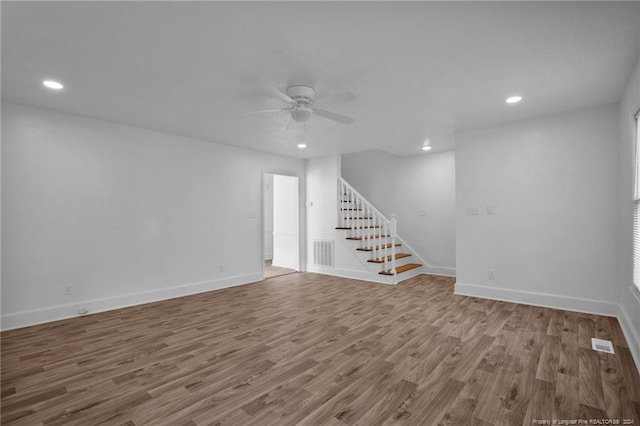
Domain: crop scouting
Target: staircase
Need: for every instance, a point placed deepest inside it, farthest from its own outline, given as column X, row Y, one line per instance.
column 374, row 236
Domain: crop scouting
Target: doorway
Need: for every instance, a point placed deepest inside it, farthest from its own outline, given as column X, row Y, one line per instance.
column 281, row 225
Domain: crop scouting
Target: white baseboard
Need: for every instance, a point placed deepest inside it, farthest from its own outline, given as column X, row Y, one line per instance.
column 55, row 313
column 350, row 273
column 441, row 271
column 546, row 300
column 631, row 334
column 377, row 278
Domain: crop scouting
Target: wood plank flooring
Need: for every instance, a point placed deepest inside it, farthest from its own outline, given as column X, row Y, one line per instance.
column 316, row 350
column 271, row 271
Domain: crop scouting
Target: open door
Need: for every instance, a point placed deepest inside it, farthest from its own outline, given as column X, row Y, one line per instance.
column 286, row 238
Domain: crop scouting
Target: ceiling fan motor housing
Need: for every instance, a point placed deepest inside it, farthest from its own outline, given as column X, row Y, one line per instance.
column 303, row 95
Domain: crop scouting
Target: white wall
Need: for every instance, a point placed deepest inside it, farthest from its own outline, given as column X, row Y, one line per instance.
column 124, row 215
column 267, row 215
column 322, row 184
column 553, row 184
column 629, row 296
column 427, row 183
column 407, row 186
column 373, row 174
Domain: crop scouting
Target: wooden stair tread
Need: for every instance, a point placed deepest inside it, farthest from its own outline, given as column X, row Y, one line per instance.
column 371, row 237
column 381, row 260
column 377, row 247
column 401, row 269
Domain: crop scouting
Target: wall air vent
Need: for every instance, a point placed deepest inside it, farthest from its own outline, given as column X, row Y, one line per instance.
column 323, row 252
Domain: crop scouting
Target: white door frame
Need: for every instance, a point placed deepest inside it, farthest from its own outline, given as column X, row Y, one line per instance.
column 262, row 222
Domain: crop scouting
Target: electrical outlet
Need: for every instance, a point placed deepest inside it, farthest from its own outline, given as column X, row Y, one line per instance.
column 68, row 289
column 473, row 211
column 492, row 274
column 221, row 268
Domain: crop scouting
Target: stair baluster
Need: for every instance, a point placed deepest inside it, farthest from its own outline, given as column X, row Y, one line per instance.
column 383, row 243
column 352, row 231
column 373, row 232
column 343, row 205
column 394, row 233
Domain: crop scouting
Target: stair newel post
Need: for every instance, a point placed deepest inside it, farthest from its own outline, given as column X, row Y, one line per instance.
column 394, row 234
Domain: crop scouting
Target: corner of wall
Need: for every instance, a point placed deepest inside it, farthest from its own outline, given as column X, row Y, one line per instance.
column 631, row 332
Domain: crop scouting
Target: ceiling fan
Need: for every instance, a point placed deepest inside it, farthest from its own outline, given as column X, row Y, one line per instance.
column 302, row 104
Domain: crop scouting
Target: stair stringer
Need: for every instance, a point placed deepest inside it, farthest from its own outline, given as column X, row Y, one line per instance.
column 356, row 212
column 374, row 268
column 349, row 263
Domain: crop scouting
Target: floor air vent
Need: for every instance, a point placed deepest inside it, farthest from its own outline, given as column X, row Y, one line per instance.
column 323, row 252
column 602, row 345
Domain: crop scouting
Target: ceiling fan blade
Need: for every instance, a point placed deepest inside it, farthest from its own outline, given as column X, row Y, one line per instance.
column 333, row 116
column 264, row 110
column 280, row 94
column 290, row 124
column 339, row 98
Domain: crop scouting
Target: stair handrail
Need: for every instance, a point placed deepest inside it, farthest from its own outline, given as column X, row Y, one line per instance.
column 385, row 248
column 392, row 224
column 364, row 201
column 426, row 264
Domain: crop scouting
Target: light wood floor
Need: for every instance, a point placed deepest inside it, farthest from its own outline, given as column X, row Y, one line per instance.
column 271, row 271
column 317, row 350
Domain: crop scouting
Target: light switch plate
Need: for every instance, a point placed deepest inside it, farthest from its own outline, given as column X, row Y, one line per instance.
column 473, row 211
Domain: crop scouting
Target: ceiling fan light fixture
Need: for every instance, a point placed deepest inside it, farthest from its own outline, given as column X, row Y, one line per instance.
column 301, row 114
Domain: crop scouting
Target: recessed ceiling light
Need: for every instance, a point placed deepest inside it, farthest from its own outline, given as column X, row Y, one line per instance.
column 426, row 147
column 514, row 99
column 302, row 145
column 52, row 84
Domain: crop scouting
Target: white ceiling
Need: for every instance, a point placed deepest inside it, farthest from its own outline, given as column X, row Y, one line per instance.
column 419, row 69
